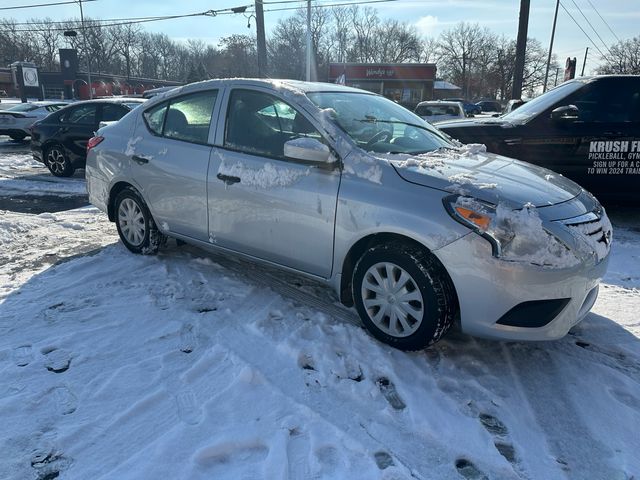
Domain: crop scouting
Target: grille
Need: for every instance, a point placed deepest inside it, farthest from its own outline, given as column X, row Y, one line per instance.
column 594, row 229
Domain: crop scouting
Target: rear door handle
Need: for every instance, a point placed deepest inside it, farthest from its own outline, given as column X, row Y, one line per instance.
column 139, row 160
column 228, row 179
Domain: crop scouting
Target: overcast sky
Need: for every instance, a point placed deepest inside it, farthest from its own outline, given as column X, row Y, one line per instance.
column 429, row 16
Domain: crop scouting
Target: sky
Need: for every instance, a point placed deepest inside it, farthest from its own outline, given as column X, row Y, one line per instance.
column 430, row 17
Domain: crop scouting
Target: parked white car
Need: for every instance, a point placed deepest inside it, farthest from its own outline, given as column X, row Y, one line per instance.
column 16, row 120
column 438, row 111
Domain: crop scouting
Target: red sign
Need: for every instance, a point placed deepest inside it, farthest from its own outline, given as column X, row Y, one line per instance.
column 396, row 71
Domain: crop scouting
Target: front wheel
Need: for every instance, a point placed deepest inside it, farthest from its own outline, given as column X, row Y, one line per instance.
column 135, row 225
column 57, row 161
column 403, row 295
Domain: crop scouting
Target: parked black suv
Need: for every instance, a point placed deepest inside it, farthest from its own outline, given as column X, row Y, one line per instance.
column 60, row 140
column 587, row 129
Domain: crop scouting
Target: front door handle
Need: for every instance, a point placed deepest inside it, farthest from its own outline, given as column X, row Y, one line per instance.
column 139, row 160
column 228, row 179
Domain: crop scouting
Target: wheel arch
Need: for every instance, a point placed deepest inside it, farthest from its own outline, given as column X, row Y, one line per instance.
column 362, row 245
column 113, row 194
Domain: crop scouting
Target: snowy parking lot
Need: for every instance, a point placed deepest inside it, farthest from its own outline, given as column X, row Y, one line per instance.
column 192, row 365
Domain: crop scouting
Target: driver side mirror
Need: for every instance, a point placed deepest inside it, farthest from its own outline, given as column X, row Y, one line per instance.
column 307, row 149
column 565, row 114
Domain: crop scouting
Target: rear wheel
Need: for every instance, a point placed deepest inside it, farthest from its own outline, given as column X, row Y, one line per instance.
column 135, row 225
column 403, row 295
column 57, row 161
column 18, row 136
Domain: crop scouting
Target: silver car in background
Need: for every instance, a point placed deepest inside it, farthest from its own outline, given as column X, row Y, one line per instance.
column 435, row 111
column 16, row 120
column 413, row 229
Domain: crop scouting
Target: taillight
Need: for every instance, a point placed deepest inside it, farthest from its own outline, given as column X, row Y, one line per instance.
column 93, row 141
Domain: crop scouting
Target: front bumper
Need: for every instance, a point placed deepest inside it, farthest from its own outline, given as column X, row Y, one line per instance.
column 488, row 288
column 14, row 131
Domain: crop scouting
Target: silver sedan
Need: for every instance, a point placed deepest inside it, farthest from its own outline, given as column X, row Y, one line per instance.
column 415, row 230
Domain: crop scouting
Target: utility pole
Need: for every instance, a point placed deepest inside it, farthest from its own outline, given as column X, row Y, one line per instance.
column 584, row 63
column 553, row 33
column 84, row 40
column 556, row 82
column 262, row 44
column 308, row 75
column 521, row 47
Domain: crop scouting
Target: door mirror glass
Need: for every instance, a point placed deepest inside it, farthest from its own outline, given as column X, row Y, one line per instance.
column 565, row 114
column 307, row 149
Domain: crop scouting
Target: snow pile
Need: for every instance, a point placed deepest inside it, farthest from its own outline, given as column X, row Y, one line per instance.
column 131, row 144
column 425, row 161
column 11, row 229
column 268, row 176
column 435, row 160
column 469, row 179
column 531, row 243
column 473, row 149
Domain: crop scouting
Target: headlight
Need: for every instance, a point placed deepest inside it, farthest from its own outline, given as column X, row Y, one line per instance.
column 515, row 235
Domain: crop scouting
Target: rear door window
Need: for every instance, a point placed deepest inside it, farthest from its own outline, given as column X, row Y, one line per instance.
column 112, row 113
column 82, row 115
column 189, row 118
column 186, row 118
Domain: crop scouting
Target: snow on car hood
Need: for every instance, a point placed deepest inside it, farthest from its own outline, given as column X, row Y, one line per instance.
column 473, row 171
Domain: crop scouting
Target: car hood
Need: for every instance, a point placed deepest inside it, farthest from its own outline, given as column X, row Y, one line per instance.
column 487, row 122
column 486, row 176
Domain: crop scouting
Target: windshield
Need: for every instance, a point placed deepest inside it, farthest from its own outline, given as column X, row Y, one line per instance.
column 23, row 107
column 379, row 125
column 539, row 104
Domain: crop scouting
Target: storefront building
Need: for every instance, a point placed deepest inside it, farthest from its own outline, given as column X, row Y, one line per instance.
column 405, row 83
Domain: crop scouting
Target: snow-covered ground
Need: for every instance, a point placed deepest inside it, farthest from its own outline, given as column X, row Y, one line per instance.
column 191, row 365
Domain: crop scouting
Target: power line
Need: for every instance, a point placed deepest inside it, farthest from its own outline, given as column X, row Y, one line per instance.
column 117, row 22
column 138, row 20
column 589, row 23
column 605, row 22
column 585, row 33
column 43, row 5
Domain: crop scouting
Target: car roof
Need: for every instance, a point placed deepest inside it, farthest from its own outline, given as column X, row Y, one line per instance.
column 292, row 86
column 118, row 100
column 440, row 102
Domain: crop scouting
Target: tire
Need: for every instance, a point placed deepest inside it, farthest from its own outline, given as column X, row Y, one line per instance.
column 18, row 136
column 58, row 162
column 135, row 224
column 420, row 285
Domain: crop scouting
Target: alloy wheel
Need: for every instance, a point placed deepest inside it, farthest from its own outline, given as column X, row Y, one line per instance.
column 56, row 160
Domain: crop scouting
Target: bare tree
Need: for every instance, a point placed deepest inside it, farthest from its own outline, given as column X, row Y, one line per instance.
column 624, row 58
